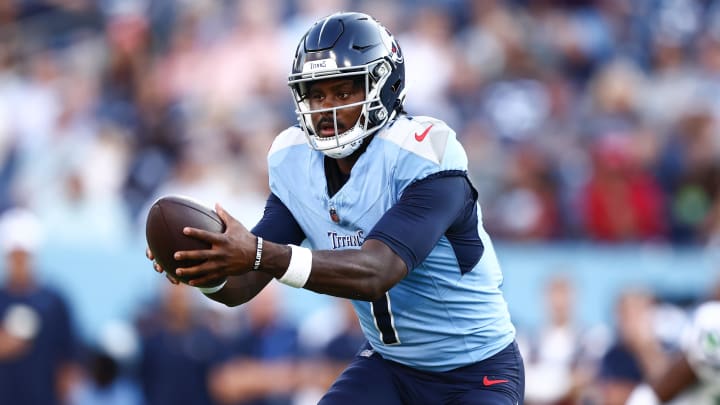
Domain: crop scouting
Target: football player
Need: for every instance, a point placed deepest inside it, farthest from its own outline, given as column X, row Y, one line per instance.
column 694, row 376
column 392, row 222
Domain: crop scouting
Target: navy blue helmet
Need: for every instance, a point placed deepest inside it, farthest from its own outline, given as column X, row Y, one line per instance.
column 349, row 45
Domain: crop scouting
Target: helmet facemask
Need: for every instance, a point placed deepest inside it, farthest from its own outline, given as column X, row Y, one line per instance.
column 372, row 116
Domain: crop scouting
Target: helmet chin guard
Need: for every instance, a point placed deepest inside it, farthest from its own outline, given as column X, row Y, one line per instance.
column 349, row 45
column 341, row 145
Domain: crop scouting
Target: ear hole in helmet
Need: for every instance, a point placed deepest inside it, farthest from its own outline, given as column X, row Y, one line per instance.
column 380, row 70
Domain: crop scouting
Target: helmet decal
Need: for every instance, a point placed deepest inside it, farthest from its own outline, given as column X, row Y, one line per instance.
column 319, row 65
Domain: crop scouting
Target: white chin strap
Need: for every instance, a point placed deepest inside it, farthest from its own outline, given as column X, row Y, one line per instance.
column 329, row 145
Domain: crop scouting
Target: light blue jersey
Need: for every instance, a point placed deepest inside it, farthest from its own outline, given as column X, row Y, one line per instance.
column 438, row 317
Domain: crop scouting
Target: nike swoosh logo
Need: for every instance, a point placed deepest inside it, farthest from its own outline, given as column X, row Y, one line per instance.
column 422, row 136
column 488, row 382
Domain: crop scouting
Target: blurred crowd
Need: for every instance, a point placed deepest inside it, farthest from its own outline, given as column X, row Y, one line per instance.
column 593, row 120
column 178, row 349
column 583, row 119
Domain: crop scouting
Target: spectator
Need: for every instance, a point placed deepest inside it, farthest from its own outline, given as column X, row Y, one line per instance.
column 178, row 351
column 37, row 337
column 527, row 209
column 622, row 201
column 558, row 351
column 261, row 367
column 637, row 353
column 545, row 72
column 691, row 175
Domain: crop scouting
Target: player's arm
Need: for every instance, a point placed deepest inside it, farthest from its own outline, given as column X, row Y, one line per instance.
column 398, row 243
column 401, row 240
column 277, row 224
column 676, row 379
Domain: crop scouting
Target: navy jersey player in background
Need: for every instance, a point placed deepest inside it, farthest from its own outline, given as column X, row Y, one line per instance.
column 392, row 221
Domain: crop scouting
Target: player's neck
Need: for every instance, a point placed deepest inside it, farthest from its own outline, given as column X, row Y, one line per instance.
column 346, row 164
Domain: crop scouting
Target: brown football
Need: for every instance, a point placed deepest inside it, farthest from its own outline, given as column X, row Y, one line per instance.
column 163, row 229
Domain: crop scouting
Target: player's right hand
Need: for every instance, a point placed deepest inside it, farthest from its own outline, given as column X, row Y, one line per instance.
column 232, row 252
column 157, row 268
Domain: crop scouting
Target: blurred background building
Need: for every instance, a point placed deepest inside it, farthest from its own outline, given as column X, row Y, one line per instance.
column 592, row 129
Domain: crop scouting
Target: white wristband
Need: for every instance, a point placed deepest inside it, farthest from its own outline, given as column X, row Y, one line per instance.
column 213, row 289
column 298, row 271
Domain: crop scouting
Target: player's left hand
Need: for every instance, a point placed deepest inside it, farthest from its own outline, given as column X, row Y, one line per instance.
column 156, row 266
column 232, row 252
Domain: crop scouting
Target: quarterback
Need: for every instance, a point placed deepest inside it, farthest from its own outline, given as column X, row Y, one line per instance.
column 390, row 219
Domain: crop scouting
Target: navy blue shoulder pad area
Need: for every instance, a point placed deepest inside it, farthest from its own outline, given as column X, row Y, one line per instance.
column 441, row 204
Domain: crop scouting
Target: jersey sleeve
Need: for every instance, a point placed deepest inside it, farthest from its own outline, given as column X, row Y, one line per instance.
column 442, row 204
column 278, row 224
